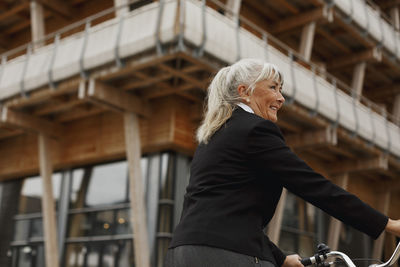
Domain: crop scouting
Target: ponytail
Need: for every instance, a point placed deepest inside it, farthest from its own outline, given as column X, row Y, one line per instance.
column 223, row 95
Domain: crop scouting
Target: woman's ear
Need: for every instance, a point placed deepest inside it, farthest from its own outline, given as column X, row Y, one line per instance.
column 244, row 93
column 242, row 90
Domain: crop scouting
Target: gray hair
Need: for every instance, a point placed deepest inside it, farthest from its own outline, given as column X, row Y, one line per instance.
column 223, row 95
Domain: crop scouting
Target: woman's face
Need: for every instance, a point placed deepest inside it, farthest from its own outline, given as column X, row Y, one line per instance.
column 266, row 99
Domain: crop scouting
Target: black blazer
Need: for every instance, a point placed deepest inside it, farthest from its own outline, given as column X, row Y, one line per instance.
column 236, row 182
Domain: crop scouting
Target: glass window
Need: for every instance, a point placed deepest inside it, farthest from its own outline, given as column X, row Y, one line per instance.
column 21, row 231
column 32, row 191
column 39, row 255
column 75, row 255
column 108, row 253
column 93, row 256
column 103, row 223
column 101, row 185
column 109, row 222
column 37, row 227
column 299, row 231
column 125, row 254
column 80, row 224
column 122, row 224
column 356, row 244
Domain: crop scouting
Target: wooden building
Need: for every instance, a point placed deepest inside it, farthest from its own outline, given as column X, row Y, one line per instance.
column 100, row 100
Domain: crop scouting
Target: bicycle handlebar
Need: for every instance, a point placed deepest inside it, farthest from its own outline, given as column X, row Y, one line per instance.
column 319, row 259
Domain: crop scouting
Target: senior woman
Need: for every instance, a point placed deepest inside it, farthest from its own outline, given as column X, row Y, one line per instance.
column 238, row 172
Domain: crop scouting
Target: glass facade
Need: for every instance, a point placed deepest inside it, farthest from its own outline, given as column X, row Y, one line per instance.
column 94, row 216
column 303, row 227
column 93, row 213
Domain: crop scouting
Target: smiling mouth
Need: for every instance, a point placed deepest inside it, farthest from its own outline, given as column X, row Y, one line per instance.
column 275, row 108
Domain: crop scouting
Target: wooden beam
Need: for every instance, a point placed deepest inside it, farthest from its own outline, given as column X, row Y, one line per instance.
column 357, row 82
column 384, row 4
column 383, row 206
column 13, row 11
column 57, row 106
column 115, row 99
column 37, row 24
column 60, row 7
column 146, row 82
column 183, row 76
column 301, row 19
column 289, row 7
column 164, row 89
column 42, row 96
column 370, row 164
column 274, row 226
column 307, row 40
column 373, row 54
column 396, row 107
column 138, row 214
column 48, row 204
column 356, row 34
column 331, row 38
column 30, row 123
column 325, row 137
column 6, row 133
column 79, row 112
column 386, row 91
column 334, row 224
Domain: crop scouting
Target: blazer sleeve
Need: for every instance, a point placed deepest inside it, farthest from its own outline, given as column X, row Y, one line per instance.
column 277, row 253
column 274, row 160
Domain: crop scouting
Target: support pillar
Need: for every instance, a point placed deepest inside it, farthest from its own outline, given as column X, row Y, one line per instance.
column 396, row 108
column 358, row 78
column 394, row 14
column 37, row 24
column 138, row 211
column 122, row 7
column 307, row 40
column 336, row 225
column 274, row 227
column 48, row 204
column 234, row 7
column 383, row 206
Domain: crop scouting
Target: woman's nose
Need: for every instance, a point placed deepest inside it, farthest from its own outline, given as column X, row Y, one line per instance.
column 281, row 98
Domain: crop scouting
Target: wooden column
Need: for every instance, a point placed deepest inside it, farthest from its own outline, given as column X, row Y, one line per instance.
column 37, row 23
column 274, row 227
column 383, row 206
column 234, row 7
column 307, row 40
column 335, row 225
column 396, row 107
column 138, row 213
column 394, row 14
column 48, row 204
column 123, row 7
column 358, row 78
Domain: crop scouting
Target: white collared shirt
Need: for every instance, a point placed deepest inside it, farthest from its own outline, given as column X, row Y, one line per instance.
column 245, row 107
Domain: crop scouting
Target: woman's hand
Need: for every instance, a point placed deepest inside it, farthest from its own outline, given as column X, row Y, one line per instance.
column 292, row 261
column 393, row 227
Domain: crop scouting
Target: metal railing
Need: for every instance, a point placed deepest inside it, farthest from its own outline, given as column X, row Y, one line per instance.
column 296, row 56
column 240, row 20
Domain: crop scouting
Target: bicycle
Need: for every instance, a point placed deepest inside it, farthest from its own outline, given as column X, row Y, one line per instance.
column 324, row 253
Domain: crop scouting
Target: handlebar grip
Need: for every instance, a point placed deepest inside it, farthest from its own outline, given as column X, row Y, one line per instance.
column 306, row 261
